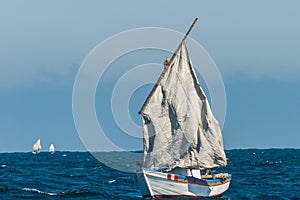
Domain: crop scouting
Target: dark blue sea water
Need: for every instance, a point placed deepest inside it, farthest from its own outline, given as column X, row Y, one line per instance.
column 257, row 174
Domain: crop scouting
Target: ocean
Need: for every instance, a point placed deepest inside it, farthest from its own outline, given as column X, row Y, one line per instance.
column 257, row 174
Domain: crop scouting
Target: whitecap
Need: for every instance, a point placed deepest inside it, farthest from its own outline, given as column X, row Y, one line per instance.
column 3, row 166
column 39, row 191
column 112, row 181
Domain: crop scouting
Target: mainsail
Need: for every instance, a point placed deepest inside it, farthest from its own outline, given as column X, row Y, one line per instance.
column 37, row 146
column 179, row 127
column 51, row 148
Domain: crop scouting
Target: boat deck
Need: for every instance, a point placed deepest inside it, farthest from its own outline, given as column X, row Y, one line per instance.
column 215, row 176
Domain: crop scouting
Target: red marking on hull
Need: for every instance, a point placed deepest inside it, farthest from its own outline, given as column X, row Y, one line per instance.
column 176, row 177
column 169, row 176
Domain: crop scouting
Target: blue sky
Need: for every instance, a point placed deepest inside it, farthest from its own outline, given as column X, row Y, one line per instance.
column 255, row 45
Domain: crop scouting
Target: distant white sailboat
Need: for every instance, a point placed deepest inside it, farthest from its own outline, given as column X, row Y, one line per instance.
column 37, row 147
column 51, row 148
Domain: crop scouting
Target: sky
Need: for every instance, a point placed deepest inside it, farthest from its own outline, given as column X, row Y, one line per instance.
column 255, row 45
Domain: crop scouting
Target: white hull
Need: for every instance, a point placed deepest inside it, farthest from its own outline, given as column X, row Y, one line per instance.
column 165, row 185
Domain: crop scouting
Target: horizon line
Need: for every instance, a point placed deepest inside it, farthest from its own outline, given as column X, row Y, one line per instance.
column 84, row 151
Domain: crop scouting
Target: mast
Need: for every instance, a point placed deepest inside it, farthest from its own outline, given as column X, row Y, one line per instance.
column 167, row 64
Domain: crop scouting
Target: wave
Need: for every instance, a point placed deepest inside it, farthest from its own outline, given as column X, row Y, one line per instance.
column 41, row 192
column 111, row 181
column 70, row 193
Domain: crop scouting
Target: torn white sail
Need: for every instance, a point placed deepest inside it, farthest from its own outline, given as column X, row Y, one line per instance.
column 179, row 127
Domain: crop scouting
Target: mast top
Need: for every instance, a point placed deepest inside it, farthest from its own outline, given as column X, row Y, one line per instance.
column 167, row 64
column 184, row 38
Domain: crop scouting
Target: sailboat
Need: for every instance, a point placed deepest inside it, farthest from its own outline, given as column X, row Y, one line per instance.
column 37, row 147
column 182, row 138
column 51, row 148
